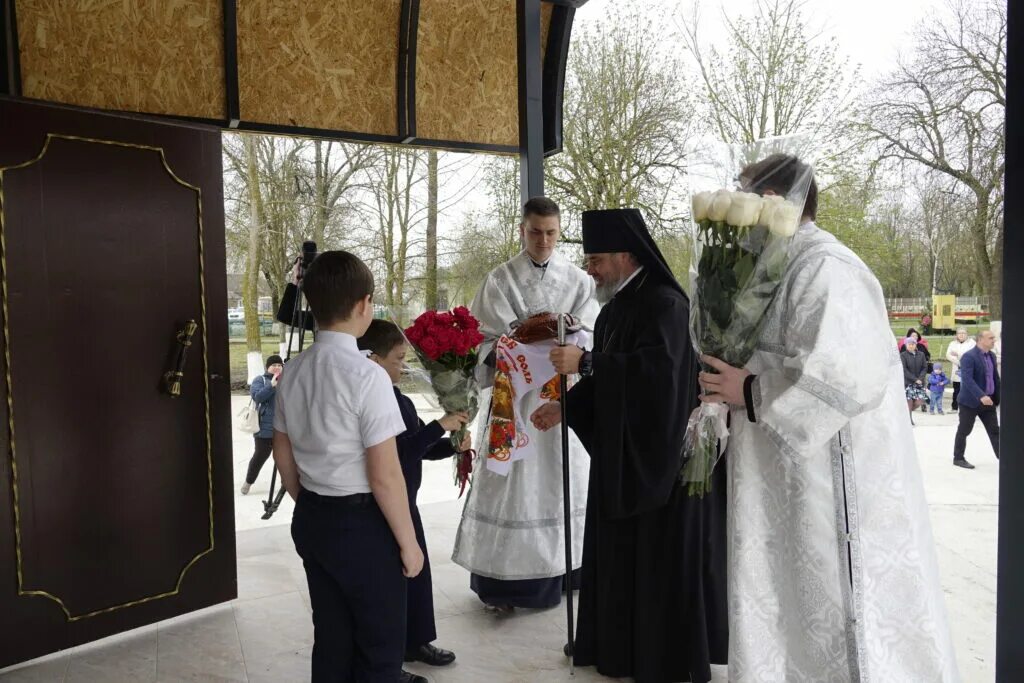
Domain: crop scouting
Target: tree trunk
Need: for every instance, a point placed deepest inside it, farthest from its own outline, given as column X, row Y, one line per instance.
column 250, row 290
column 988, row 275
column 430, row 288
column 995, row 283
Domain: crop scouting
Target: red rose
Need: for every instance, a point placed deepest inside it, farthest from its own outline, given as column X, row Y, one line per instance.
column 430, row 348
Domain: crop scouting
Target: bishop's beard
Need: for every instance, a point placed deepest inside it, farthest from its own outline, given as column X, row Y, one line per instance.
column 604, row 292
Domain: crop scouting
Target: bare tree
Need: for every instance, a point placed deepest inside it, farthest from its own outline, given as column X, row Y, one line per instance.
column 773, row 77
column 489, row 237
column 430, row 277
column 627, row 118
column 253, row 343
column 943, row 109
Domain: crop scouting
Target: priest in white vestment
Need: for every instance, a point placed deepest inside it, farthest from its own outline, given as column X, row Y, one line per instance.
column 832, row 566
column 511, row 537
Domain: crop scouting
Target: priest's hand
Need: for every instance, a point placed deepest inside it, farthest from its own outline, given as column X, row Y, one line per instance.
column 725, row 386
column 547, row 416
column 566, row 359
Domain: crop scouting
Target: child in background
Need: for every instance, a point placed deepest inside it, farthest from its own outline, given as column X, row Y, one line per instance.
column 937, row 382
column 419, row 442
column 335, row 425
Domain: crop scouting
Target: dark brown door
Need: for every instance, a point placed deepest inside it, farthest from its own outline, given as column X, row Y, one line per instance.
column 115, row 496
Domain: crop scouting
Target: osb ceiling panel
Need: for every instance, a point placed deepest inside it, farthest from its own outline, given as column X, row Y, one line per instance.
column 466, row 71
column 329, row 65
column 319, row 64
column 154, row 56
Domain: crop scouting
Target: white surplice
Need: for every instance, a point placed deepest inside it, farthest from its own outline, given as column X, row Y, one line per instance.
column 832, row 567
column 512, row 525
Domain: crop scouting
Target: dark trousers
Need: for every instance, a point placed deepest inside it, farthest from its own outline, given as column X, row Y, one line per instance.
column 264, row 447
column 988, row 417
column 356, row 588
column 956, row 395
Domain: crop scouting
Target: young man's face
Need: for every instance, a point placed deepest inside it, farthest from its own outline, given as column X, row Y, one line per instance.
column 540, row 235
column 393, row 362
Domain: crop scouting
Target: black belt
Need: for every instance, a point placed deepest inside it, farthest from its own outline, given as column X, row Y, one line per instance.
column 353, row 500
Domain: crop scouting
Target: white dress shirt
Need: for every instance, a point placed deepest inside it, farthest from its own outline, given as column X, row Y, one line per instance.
column 334, row 403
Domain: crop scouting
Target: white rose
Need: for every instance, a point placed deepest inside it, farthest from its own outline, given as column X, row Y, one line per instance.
column 769, row 205
column 701, row 202
column 744, row 210
column 720, row 203
column 786, row 219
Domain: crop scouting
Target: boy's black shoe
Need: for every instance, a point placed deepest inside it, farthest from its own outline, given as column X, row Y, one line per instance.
column 428, row 654
column 407, row 677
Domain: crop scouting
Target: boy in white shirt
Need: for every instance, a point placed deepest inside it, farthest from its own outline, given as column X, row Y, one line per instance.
column 335, row 424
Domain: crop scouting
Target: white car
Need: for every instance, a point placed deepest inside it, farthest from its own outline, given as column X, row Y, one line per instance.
column 236, row 314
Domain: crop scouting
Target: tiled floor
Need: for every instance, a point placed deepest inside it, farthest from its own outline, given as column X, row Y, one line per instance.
column 266, row 634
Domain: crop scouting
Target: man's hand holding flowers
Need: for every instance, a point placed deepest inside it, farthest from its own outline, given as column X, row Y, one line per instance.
column 723, row 386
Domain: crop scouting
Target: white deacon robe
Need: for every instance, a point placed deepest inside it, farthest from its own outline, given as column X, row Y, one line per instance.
column 832, row 567
column 512, row 526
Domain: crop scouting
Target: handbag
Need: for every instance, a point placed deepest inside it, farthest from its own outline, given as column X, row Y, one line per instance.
column 249, row 418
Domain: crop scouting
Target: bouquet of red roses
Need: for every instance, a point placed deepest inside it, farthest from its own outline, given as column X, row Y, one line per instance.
column 446, row 344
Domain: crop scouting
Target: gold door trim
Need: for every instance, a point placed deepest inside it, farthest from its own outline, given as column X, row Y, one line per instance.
column 22, row 591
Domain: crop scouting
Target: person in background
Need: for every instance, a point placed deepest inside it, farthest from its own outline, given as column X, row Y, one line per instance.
column 419, row 442
column 937, row 382
column 263, row 390
column 979, row 396
column 922, row 347
column 957, row 348
column 915, row 367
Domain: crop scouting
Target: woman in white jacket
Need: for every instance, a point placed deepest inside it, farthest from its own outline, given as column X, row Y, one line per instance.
column 957, row 348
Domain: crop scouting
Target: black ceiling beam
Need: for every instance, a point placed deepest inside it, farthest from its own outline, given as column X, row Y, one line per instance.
column 405, row 83
column 556, row 56
column 10, row 59
column 531, row 115
column 231, row 99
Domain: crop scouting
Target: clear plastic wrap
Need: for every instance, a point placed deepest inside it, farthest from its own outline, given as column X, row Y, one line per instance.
column 740, row 255
column 446, row 346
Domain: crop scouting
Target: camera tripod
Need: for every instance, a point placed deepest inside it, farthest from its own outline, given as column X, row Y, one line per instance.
column 298, row 318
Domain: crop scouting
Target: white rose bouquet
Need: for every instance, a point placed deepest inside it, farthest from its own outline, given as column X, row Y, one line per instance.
column 740, row 255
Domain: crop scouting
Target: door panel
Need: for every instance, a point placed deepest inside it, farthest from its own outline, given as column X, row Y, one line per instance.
column 116, row 506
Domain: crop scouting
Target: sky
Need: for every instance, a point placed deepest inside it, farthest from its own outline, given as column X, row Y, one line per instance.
column 870, row 32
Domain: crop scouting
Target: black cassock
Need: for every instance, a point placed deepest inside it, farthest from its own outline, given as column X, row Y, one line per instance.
column 652, row 602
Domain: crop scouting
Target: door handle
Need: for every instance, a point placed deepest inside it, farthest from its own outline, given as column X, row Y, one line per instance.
column 173, row 377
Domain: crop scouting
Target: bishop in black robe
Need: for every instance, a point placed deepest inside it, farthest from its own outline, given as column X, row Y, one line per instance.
column 653, row 592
